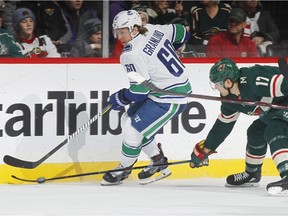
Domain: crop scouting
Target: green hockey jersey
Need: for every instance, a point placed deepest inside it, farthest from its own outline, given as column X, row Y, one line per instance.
column 257, row 83
column 8, row 47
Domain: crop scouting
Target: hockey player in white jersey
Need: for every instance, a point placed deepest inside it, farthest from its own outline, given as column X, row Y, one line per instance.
column 150, row 51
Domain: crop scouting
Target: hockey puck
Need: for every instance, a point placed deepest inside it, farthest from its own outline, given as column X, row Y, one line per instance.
column 41, row 180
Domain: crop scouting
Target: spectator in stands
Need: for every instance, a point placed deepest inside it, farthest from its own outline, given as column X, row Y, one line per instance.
column 261, row 27
column 32, row 45
column 90, row 45
column 208, row 18
column 53, row 22
column 165, row 14
column 232, row 43
column 144, row 17
column 2, row 6
column 76, row 12
column 140, row 7
column 179, row 10
column 8, row 46
column 11, row 6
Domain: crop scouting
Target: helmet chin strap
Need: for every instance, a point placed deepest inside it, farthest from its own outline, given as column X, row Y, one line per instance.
column 228, row 89
column 133, row 36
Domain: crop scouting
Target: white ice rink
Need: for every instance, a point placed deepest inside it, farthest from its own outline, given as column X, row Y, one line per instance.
column 167, row 197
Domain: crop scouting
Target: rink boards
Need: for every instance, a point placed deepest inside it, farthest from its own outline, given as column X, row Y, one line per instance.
column 43, row 101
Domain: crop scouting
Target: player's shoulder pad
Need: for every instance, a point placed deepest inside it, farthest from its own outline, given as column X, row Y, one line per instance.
column 127, row 48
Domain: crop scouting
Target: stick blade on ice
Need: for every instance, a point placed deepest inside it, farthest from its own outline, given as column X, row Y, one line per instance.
column 15, row 162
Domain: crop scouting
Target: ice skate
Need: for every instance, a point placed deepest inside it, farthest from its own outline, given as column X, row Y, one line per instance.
column 279, row 187
column 244, row 179
column 117, row 177
column 155, row 173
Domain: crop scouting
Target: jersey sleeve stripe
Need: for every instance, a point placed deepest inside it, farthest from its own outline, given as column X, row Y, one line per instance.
column 275, row 88
column 230, row 118
column 174, row 33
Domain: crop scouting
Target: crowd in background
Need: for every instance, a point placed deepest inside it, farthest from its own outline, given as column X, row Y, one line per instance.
column 74, row 28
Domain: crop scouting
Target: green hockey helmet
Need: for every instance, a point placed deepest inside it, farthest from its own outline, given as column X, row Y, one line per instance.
column 224, row 69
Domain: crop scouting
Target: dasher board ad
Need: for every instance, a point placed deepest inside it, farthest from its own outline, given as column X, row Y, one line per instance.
column 42, row 104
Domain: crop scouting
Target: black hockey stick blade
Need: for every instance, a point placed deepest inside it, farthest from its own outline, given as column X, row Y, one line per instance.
column 140, row 80
column 282, row 63
column 16, row 162
column 43, row 179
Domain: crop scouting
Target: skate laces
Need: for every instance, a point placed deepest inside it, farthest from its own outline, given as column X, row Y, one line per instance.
column 241, row 176
column 117, row 173
column 150, row 167
column 157, row 159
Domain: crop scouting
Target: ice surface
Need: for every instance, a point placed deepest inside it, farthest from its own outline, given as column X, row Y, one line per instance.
column 166, row 197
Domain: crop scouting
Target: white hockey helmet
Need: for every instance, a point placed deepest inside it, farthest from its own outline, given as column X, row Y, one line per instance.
column 127, row 19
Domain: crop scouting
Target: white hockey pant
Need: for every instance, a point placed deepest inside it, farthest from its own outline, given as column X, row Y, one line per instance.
column 133, row 142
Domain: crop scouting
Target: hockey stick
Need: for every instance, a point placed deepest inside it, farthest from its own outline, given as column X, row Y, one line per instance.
column 282, row 63
column 12, row 161
column 141, row 80
column 43, row 179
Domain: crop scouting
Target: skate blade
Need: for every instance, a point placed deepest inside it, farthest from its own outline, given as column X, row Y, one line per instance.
column 106, row 183
column 250, row 184
column 278, row 191
column 158, row 176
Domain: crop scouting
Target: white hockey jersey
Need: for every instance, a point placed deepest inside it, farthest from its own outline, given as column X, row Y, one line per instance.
column 40, row 47
column 153, row 56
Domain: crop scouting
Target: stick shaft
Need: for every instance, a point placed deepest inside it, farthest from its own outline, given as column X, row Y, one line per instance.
column 16, row 162
column 139, row 79
column 101, row 172
column 282, row 63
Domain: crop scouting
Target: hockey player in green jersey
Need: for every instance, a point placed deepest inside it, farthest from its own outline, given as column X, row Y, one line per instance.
column 256, row 83
column 150, row 52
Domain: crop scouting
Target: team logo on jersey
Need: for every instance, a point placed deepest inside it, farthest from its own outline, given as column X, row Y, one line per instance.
column 243, row 80
column 49, row 11
column 3, row 49
column 214, row 30
column 127, row 48
column 285, row 114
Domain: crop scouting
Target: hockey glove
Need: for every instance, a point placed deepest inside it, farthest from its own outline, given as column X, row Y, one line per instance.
column 118, row 100
column 198, row 157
